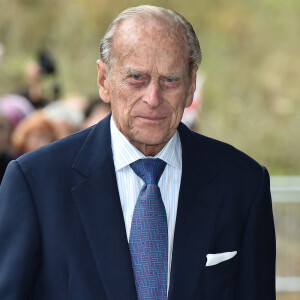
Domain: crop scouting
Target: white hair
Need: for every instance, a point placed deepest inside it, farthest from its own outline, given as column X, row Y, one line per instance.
column 147, row 13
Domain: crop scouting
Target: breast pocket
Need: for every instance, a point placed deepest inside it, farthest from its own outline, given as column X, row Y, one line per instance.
column 221, row 270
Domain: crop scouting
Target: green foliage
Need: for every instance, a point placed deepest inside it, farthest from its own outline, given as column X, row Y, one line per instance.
column 250, row 61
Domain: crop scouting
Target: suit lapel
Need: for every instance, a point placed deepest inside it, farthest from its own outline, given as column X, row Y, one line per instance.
column 198, row 205
column 98, row 203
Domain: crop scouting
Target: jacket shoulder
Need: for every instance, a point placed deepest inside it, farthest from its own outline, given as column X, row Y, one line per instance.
column 225, row 152
column 235, row 167
column 230, row 161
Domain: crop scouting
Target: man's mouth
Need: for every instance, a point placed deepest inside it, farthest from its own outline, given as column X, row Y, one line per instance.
column 148, row 118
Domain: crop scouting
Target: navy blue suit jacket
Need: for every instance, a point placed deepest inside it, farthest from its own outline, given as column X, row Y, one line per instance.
column 62, row 233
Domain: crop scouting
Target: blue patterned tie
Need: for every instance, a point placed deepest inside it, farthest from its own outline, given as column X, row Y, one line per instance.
column 148, row 241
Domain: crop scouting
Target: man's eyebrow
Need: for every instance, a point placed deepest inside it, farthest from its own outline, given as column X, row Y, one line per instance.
column 174, row 75
column 130, row 70
column 133, row 71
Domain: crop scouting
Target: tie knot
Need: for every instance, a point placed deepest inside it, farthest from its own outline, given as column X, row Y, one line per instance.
column 149, row 169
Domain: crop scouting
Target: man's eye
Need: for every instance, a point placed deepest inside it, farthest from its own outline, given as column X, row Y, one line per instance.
column 169, row 79
column 137, row 77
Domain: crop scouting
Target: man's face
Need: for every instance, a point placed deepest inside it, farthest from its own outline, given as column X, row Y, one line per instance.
column 149, row 84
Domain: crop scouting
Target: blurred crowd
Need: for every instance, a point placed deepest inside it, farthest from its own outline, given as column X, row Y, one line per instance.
column 29, row 119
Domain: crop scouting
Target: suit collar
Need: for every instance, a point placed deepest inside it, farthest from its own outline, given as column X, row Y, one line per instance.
column 98, row 203
column 95, row 150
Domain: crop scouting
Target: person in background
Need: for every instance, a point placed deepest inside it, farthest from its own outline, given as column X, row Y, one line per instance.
column 36, row 72
column 13, row 109
column 67, row 114
column 33, row 132
column 191, row 114
column 95, row 112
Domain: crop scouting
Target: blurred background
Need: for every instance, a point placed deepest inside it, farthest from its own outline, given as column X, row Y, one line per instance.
column 247, row 93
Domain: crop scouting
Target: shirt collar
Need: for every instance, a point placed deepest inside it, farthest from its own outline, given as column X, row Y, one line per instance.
column 124, row 153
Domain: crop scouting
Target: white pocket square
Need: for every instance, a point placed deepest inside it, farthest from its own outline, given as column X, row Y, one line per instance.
column 214, row 259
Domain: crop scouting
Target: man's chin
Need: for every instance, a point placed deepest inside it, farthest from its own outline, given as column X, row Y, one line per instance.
column 152, row 138
column 154, row 141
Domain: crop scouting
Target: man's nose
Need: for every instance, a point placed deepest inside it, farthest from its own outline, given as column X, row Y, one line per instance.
column 153, row 96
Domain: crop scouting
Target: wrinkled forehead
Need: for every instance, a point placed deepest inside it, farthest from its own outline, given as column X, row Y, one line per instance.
column 163, row 32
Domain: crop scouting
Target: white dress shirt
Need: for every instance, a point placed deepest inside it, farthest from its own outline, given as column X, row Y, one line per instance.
column 129, row 184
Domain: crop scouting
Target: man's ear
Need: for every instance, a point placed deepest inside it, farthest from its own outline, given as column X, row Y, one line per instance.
column 103, row 81
column 192, row 88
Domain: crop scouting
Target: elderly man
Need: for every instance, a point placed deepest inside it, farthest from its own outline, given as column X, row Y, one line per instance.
column 138, row 206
